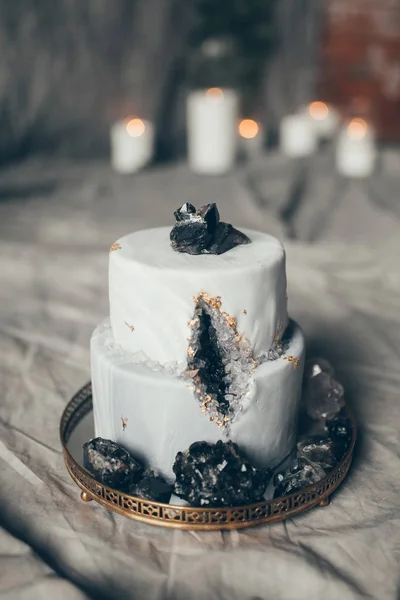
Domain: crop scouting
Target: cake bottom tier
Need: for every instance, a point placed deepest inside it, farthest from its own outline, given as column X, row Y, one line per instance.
column 153, row 412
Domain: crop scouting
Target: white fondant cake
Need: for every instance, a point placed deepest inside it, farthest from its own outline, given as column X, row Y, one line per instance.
column 148, row 394
column 152, row 289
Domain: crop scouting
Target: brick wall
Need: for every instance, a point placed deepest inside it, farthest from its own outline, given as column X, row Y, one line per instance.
column 360, row 63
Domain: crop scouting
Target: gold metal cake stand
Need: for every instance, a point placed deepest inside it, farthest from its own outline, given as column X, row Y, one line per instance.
column 184, row 517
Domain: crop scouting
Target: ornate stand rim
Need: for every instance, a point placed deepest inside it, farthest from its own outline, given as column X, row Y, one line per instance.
column 187, row 517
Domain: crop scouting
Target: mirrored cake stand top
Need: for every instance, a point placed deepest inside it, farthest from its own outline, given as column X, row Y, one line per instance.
column 76, row 427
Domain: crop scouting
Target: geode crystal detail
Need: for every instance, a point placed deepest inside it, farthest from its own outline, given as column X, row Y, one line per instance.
column 201, row 232
column 217, row 475
column 111, row 464
column 280, row 344
column 299, row 474
column 340, row 431
column 152, row 487
column 220, row 361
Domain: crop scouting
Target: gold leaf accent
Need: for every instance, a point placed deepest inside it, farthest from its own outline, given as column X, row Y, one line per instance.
column 131, row 327
column 293, row 360
column 192, row 373
column 214, row 302
column 232, row 322
column 124, row 423
column 114, row 247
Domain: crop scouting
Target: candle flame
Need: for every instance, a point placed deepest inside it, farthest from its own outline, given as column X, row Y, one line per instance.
column 318, row 110
column 215, row 92
column 248, row 128
column 135, row 126
column 357, row 129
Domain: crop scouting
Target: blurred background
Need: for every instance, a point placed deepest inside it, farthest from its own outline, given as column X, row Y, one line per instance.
column 68, row 69
column 83, row 80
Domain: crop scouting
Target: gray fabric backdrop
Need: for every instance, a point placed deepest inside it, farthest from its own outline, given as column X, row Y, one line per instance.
column 71, row 67
column 57, row 222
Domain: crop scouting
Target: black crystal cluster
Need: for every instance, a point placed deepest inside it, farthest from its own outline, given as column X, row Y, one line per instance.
column 111, row 464
column 316, row 456
column 152, row 487
column 115, row 467
column 218, row 475
column 201, row 232
column 327, row 431
column 297, row 475
column 322, row 450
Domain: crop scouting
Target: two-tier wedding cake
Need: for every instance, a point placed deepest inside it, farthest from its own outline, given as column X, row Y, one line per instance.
column 199, row 345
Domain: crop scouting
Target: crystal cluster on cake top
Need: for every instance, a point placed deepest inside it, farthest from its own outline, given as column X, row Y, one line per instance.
column 201, row 232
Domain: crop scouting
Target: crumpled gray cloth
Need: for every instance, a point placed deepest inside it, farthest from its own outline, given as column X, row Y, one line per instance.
column 53, row 291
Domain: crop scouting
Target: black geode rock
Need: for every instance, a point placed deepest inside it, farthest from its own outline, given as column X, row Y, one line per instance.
column 340, row 431
column 184, row 212
column 320, row 451
column 152, row 487
column 111, row 464
column 207, row 361
column 299, row 474
column 201, row 232
column 217, row 475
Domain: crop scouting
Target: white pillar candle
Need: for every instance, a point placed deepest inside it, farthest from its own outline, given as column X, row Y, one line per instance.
column 298, row 136
column 355, row 150
column 132, row 144
column 211, row 125
column 325, row 119
column 251, row 137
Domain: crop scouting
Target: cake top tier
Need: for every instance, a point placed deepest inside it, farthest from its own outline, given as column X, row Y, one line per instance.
column 152, row 248
column 153, row 292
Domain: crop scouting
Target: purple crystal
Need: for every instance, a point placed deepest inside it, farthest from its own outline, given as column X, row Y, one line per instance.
column 217, row 475
column 315, row 366
column 323, row 396
column 111, row 464
column 152, row 487
column 201, row 232
column 298, row 475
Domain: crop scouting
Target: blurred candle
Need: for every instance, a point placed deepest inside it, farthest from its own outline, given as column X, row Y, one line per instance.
column 298, row 136
column 132, row 144
column 324, row 117
column 251, row 139
column 211, row 127
column 355, row 149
